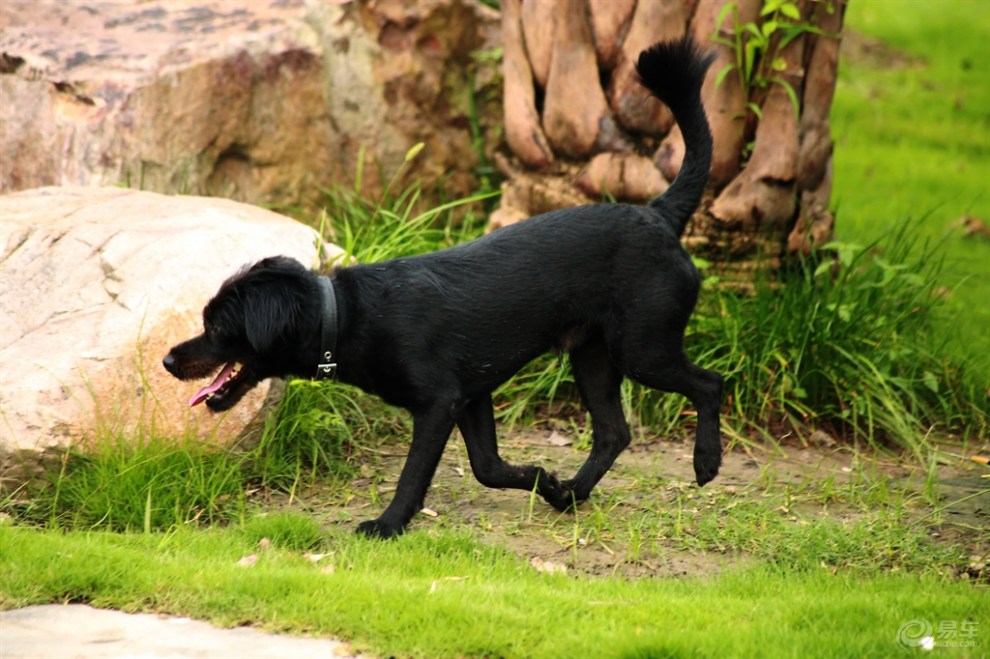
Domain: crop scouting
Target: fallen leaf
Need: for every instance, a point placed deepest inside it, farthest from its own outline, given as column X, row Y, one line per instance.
column 264, row 544
column 982, row 459
column 248, row 561
column 437, row 582
column 973, row 227
column 821, row 439
column 547, row 566
column 314, row 557
column 429, row 512
column 328, row 569
column 557, row 439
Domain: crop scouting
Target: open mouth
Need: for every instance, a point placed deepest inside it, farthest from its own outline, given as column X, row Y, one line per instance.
column 220, row 385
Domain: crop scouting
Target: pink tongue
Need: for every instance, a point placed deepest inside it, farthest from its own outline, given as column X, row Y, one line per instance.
column 202, row 394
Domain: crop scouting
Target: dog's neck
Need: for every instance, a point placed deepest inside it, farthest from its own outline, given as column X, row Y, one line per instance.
column 326, row 368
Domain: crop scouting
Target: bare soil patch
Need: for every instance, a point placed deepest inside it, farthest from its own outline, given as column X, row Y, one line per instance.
column 628, row 526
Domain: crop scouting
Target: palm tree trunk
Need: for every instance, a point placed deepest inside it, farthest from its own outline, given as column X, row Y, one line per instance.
column 580, row 128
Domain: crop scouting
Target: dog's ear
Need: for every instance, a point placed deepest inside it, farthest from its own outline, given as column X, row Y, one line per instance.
column 269, row 314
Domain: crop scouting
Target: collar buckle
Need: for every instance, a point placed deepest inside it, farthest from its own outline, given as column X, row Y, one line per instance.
column 326, row 370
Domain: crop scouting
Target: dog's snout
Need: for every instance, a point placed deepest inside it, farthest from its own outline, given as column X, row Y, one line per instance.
column 168, row 362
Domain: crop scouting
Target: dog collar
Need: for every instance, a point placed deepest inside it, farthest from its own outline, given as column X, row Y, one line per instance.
column 326, row 369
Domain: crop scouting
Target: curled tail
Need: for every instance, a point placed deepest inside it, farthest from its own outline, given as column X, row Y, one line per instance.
column 673, row 71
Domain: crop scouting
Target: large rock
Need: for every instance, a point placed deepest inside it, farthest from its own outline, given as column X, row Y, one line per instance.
column 98, row 283
column 264, row 101
column 399, row 73
column 170, row 96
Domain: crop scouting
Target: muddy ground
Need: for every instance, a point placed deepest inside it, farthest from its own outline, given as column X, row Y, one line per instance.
column 654, row 476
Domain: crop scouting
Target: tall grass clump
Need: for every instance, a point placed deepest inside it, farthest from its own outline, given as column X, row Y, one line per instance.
column 397, row 224
column 849, row 343
column 308, row 437
column 132, row 483
column 142, row 481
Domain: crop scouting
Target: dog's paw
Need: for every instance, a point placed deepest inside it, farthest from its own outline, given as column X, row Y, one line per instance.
column 376, row 528
column 557, row 494
column 706, row 464
column 576, row 492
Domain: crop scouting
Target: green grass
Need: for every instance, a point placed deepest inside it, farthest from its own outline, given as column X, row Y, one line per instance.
column 854, row 347
column 445, row 594
column 144, row 481
column 126, row 483
column 912, row 141
column 868, row 525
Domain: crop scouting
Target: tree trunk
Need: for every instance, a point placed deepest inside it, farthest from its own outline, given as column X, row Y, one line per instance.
column 580, row 128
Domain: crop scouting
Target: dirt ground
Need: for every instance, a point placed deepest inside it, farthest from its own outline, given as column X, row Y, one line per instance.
column 655, row 475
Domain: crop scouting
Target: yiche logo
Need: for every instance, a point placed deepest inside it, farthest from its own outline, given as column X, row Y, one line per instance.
column 916, row 634
column 948, row 634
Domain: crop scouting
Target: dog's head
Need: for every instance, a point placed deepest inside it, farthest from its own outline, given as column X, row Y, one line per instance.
column 257, row 326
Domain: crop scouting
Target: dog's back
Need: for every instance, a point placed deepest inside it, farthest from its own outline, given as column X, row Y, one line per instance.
column 556, row 280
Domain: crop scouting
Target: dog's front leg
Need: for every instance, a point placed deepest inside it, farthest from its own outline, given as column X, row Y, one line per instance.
column 431, row 430
column 477, row 424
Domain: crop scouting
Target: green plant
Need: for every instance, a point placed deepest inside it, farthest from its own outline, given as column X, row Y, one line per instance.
column 851, row 345
column 391, row 226
column 537, row 388
column 488, row 63
column 757, row 47
column 308, row 436
column 129, row 483
column 142, row 480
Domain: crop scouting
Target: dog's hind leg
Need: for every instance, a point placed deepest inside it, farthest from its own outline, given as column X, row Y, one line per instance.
column 477, row 424
column 704, row 389
column 599, row 383
column 431, row 429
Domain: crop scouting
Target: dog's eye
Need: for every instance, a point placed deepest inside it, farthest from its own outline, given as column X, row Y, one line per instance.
column 213, row 331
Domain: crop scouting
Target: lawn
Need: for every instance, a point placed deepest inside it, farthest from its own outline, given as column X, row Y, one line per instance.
column 911, row 122
column 849, row 514
column 448, row 595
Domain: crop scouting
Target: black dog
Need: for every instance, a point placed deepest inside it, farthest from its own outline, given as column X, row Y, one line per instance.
column 610, row 284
